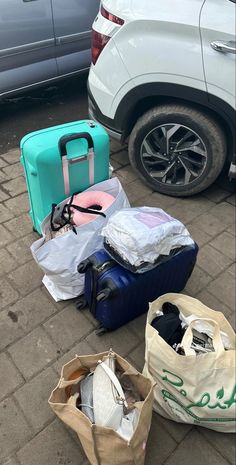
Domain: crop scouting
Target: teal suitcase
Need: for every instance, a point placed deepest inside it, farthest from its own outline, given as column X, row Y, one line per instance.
column 60, row 161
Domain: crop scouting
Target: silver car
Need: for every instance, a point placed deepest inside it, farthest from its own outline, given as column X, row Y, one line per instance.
column 43, row 40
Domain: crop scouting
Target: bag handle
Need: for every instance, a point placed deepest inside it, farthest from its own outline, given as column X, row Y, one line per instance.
column 83, row 210
column 114, row 380
column 66, row 212
column 65, row 162
column 216, row 339
column 69, row 137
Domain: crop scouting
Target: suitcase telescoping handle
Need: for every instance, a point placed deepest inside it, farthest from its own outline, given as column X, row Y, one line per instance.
column 65, row 161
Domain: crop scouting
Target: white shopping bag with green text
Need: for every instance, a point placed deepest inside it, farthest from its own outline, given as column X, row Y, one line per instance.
column 190, row 388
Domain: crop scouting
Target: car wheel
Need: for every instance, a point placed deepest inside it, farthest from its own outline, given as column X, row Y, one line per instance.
column 177, row 150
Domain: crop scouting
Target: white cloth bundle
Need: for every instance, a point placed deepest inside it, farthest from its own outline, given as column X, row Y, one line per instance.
column 140, row 235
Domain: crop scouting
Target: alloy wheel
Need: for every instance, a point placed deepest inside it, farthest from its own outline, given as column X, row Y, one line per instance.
column 173, row 154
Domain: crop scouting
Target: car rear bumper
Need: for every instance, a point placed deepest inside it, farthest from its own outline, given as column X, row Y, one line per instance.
column 107, row 123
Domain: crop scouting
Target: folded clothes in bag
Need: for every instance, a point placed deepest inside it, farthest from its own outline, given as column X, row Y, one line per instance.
column 108, row 396
column 138, row 237
column 171, row 325
column 194, row 388
column 168, row 324
column 86, row 396
column 101, row 444
column 103, row 400
column 100, row 396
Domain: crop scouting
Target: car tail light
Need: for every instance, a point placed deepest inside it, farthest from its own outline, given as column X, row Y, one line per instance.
column 98, row 43
column 111, row 17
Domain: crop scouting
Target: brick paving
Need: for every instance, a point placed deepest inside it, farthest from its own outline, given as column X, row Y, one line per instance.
column 37, row 335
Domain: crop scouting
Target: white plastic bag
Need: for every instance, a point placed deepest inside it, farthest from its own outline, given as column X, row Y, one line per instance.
column 59, row 257
column 140, row 235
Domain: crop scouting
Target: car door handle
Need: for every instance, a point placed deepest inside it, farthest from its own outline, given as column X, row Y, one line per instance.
column 225, row 47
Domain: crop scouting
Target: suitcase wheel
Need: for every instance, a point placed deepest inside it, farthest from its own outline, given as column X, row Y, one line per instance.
column 100, row 331
column 83, row 266
column 81, row 303
column 104, row 294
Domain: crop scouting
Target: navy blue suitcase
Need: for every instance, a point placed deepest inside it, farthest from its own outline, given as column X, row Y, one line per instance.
column 115, row 295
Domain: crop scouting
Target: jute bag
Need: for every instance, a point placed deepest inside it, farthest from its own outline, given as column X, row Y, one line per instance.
column 103, row 446
column 197, row 389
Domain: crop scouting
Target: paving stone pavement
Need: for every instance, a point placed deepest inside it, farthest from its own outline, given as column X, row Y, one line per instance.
column 37, row 335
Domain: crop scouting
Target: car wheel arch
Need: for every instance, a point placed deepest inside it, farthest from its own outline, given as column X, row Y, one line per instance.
column 144, row 97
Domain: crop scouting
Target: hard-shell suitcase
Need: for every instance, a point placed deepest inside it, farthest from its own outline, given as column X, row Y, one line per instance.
column 115, row 295
column 62, row 160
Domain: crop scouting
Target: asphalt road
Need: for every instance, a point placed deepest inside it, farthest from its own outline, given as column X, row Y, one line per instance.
column 61, row 103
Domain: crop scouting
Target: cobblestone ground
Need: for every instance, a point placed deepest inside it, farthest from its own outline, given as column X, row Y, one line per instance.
column 37, row 335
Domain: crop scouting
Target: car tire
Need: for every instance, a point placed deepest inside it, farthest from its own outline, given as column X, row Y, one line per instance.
column 198, row 149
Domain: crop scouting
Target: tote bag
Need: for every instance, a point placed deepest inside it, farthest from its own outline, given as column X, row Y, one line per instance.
column 59, row 257
column 102, row 445
column 197, row 389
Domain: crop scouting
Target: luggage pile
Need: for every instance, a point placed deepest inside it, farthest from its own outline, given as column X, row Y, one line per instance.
column 116, row 260
column 79, row 211
column 68, row 179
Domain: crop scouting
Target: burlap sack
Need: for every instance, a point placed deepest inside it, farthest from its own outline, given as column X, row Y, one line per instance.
column 197, row 389
column 103, row 446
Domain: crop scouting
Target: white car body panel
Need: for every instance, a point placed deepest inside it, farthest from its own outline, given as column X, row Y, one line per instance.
column 160, row 30
column 118, row 6
column 105, row 89
column 116, row 79
column 163, row 51
column 220, row 68
column 161, row 41
column 157, row 32
column 167, row 35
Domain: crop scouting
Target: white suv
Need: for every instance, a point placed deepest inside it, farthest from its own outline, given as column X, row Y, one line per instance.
column 163, row 76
